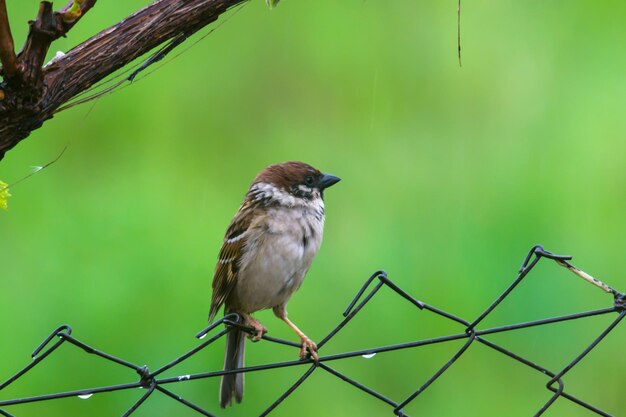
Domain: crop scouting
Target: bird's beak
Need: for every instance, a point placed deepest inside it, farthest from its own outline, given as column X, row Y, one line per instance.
column 328, row 180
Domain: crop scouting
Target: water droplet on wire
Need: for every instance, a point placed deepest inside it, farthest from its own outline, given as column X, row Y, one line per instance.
column 184, row 377
column 85, row 396
column 369, row 355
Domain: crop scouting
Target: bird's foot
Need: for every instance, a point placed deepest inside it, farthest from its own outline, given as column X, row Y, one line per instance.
column 308, row 344
column 259, row 329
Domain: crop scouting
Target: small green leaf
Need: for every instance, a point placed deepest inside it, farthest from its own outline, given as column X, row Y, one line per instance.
column 4, row 195
column 272, row 3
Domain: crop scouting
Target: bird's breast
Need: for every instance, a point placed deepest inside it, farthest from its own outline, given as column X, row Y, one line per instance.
column 279, row 251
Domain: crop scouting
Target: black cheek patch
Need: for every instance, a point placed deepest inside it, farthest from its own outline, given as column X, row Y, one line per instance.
column 297, row 192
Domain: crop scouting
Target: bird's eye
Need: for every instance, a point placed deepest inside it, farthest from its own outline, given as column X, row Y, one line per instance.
column 308, row 180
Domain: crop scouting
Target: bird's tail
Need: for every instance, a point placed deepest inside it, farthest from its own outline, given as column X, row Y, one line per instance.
column 232, row 384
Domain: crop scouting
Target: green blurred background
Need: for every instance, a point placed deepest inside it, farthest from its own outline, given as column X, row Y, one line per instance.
column 449, row 176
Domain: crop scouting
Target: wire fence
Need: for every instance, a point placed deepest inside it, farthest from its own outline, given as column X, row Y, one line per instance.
column 152, row 381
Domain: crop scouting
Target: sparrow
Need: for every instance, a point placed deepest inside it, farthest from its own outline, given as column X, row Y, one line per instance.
column 267, row 250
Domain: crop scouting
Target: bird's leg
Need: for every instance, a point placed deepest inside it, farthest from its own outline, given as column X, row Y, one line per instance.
column 259, row 329
column 306, row 343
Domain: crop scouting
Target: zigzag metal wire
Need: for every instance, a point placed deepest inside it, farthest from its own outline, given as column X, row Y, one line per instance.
column 151, row 382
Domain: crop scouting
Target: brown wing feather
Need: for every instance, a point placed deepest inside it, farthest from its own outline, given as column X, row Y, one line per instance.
column 225, row 276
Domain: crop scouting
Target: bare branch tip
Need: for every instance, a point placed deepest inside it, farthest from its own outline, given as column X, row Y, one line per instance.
column 74, row 12
column 7, row 49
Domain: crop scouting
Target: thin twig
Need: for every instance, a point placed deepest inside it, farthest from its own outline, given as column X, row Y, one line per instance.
column 587, row 277
column 36, row 170
column 458, row 31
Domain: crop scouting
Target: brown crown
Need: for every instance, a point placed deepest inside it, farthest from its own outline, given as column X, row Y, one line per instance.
column 287, row 174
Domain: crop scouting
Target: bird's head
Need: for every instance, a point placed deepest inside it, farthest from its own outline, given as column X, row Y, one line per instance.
column 291, row 184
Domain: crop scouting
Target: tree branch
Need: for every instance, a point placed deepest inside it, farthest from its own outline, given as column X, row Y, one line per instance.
column 48, row 27
column 7, row 49
column 22, row 111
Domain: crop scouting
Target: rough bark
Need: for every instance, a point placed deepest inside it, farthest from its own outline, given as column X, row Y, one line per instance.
column 31, row 93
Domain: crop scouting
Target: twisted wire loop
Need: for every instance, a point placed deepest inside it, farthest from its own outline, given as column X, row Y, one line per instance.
column 151, row 383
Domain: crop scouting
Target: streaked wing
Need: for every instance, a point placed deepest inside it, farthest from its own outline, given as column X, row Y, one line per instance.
column 225, row 276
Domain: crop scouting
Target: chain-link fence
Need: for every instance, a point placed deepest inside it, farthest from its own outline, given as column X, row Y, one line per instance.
column 152, row 381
